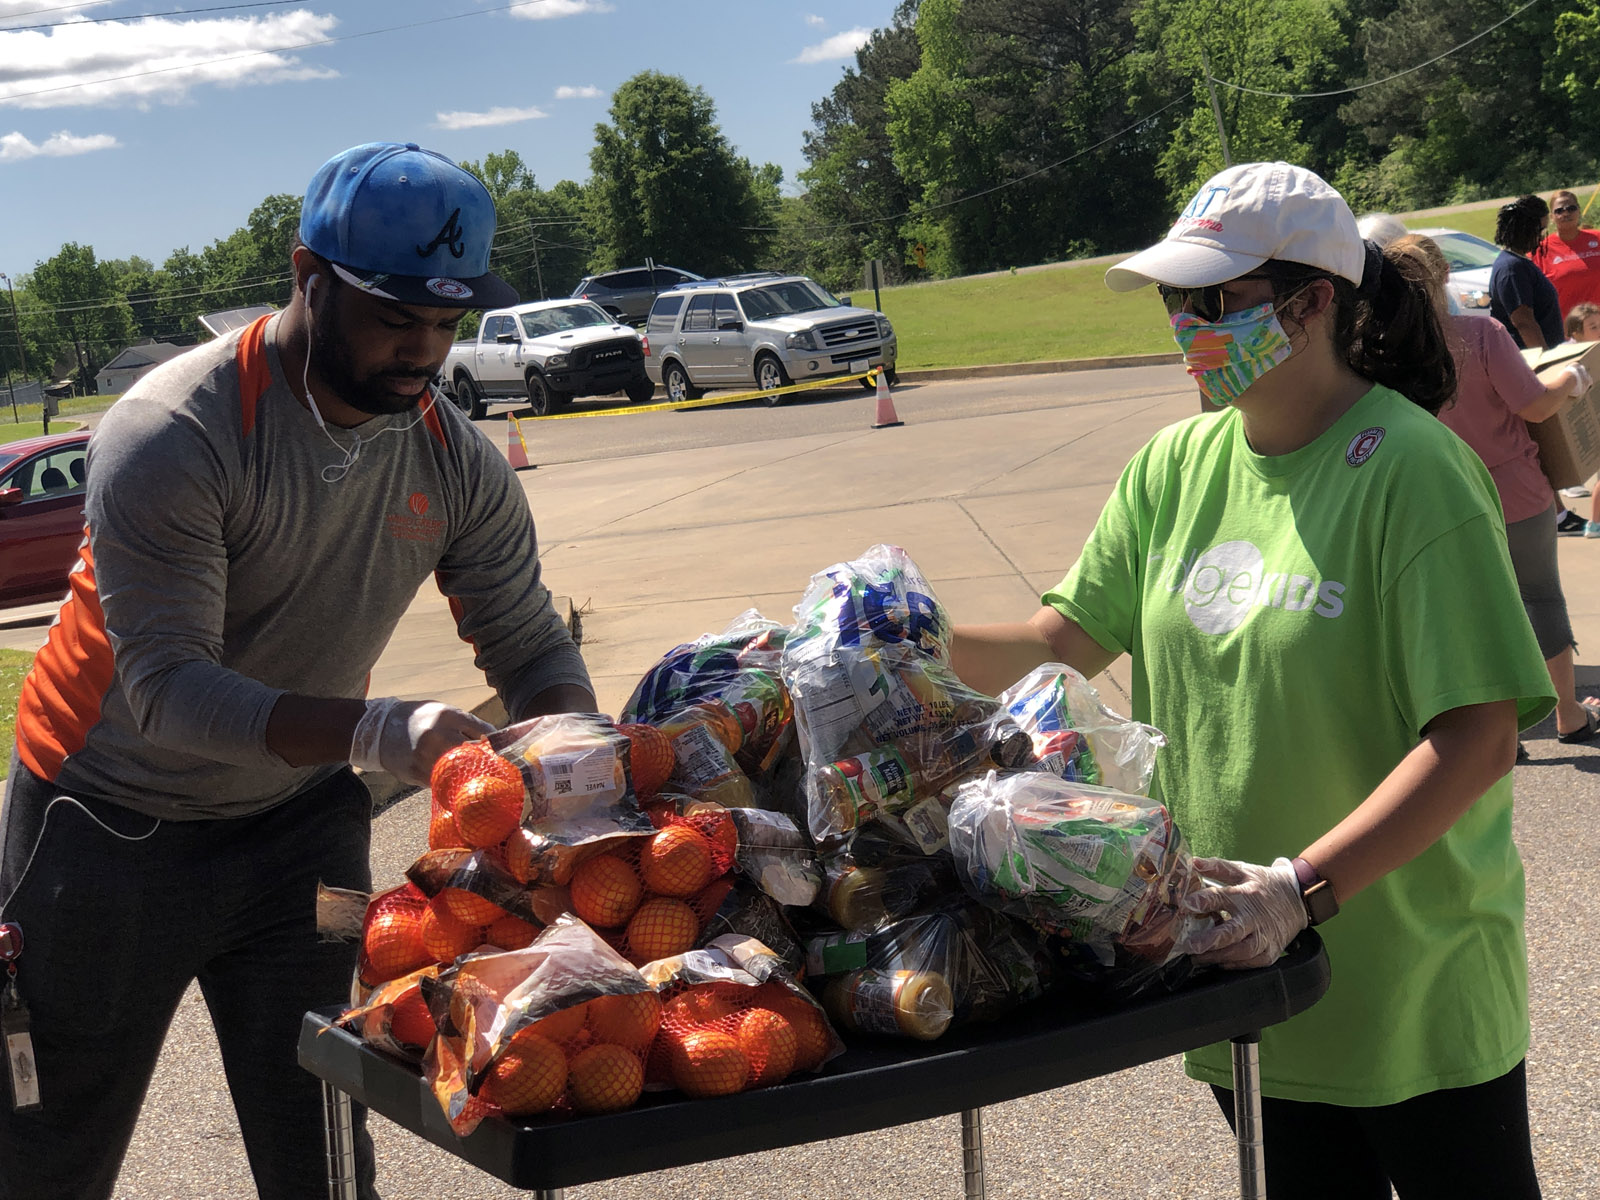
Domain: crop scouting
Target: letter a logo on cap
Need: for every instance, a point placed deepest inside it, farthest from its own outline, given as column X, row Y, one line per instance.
column 449, row 235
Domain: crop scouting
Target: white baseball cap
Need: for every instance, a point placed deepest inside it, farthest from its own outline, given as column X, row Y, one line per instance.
column 1239, row 219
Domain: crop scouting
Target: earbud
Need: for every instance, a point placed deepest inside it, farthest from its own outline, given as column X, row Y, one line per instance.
column 311, row 283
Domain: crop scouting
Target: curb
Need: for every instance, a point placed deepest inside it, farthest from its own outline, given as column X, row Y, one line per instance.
column 1052, row 367
column 387, row 791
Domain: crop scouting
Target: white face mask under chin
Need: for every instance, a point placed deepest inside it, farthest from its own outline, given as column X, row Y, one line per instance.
column 335, row 472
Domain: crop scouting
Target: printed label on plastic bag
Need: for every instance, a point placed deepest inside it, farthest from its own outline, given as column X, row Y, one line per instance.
column 578, row 772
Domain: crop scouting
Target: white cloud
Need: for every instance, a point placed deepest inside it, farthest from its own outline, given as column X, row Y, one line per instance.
column 840, row 45
column 481, row 120
column 40, row 13
column 552, row 10
column 587, row 92
column 815, row 21
column 14, row 147
column 155, row 59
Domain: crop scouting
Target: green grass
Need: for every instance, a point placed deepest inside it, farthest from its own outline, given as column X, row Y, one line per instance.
column 14, row 666
column 1032, row 317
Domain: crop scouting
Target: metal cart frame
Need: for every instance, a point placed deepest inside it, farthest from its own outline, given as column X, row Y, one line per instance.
column 872, row 1086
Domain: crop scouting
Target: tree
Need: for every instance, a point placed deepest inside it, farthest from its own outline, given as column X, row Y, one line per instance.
column 77, row 298
column 665, row 184
column 540, row 244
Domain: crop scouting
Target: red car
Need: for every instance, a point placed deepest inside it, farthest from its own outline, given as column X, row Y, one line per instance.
column 41, row 515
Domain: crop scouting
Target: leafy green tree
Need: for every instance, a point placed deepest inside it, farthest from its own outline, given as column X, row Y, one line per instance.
column 79, row 311
column 1285, row 46
column 541, row 246
column 666, row 184
column 855, row 197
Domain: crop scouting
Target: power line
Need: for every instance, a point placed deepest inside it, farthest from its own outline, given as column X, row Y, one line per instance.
column 190, row 66
column 177, row 12
column 1238, row 87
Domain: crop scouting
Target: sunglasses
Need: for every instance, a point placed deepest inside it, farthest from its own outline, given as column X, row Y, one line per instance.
column 1203, row 302
column 1565, row 208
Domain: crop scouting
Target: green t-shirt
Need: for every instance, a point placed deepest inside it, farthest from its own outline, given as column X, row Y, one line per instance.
column 1294, row 621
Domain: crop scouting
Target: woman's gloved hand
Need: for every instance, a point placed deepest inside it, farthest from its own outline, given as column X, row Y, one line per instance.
column 405, row 738
column 1580, row 379
column 1262, row 905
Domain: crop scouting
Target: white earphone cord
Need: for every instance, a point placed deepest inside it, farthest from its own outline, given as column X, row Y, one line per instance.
column 348, row 455
column 44, row 823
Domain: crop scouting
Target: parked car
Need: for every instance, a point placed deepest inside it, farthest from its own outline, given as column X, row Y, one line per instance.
column 546, row 352
column 628, row 294
column 1470, row 259
column 766, row 329
column 41, row 515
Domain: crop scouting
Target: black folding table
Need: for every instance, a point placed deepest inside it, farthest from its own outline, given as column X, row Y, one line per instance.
column 875, row 1084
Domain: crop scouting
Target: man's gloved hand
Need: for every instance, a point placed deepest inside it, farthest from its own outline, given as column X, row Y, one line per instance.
column 1264, row 910
column 405, row 738
column 1580, row 379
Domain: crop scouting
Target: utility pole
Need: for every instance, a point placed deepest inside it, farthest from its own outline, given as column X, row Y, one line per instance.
column 1216, row 107
column 22, row 356
column 537, row 269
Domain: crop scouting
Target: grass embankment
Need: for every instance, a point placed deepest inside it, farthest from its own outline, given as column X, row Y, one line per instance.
column 27, row 421
column 14, row 665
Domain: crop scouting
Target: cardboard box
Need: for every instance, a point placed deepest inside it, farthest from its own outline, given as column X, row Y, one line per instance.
column 1569, row 442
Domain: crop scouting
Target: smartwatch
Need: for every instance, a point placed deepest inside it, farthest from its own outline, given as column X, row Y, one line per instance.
column 1316, row 893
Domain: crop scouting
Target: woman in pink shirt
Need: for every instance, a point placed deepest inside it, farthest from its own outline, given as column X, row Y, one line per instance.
column 1497, row 393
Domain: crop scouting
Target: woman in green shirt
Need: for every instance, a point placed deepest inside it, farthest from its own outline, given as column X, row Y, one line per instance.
column 1313, row 588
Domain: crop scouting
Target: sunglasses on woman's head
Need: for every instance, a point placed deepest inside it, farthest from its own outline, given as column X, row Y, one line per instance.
column 1203, row 302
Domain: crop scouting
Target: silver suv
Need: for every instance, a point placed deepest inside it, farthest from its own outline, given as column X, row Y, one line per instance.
column 765, row 329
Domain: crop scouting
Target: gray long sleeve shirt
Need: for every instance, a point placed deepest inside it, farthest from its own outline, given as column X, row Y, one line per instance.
column 229, row 571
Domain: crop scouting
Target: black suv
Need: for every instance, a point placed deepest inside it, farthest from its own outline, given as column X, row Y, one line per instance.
column 628, row 294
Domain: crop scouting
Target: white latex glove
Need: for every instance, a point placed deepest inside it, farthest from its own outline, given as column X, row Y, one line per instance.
column 1579, row 379
column 1264, row 910
column 405, row 738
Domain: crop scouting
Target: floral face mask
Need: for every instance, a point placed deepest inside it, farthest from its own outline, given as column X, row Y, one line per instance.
column 1227, row 355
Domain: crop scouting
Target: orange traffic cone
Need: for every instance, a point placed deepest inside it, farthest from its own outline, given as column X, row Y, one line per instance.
column 886, row 414
column 516, row 446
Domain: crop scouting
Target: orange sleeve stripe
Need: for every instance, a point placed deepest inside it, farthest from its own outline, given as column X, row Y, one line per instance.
column 71, row 674
column 255, row 376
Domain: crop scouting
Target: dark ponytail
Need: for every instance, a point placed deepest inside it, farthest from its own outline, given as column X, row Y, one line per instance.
column 1519, row 225
column 1388, row 329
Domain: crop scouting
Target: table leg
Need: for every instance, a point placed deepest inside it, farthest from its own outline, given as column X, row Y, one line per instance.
column 972, row 1153
column 1247, row 1116
column 339, row 1134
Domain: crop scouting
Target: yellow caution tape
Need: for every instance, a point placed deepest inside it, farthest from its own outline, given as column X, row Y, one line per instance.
column 709, row 401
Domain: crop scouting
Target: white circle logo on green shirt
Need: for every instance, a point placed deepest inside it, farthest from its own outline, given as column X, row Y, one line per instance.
column 1222, row 585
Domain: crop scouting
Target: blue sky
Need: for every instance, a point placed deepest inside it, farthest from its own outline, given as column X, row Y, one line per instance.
column 100, row 144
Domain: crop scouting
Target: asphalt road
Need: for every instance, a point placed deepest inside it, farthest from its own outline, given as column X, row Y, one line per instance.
column 1143, row 1133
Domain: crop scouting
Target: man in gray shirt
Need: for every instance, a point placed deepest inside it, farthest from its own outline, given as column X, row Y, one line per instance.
column 261, row 512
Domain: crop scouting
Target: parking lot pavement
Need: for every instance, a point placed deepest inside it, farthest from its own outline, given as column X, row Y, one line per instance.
column 657, row 549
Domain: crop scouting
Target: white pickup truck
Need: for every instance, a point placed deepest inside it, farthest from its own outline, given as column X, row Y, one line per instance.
column 546, row 352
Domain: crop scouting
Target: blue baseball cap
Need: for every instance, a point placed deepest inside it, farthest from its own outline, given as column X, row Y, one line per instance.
column 405, row 224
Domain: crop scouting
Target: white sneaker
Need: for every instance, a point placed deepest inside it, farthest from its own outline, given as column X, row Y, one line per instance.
column 1591, row 529
column 1575, row 493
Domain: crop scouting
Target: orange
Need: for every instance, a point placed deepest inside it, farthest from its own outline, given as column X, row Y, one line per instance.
column 393, row 942
column 528, row 1078
column 629, row 1021
column 708, row 1063
column 650, row 757
column 560, row 1027
column 703, row 1004
column 442, row 831
column 446, row 938
column 409, row 1019
column 605, row 891
column 769, row 1042
column 467, row 907
column 511, row 933
column 604, row 1078
column 519, row 850
column 488, row 807
column 813, row 1038
column 459, row 764
column 661, row 928
column 676, row 862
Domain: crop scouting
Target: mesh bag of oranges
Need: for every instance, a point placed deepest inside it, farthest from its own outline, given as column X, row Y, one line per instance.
column 396, row 1015
column 738, row 671
column 562, row 1026
column 578, row 772
column 732, row 1018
